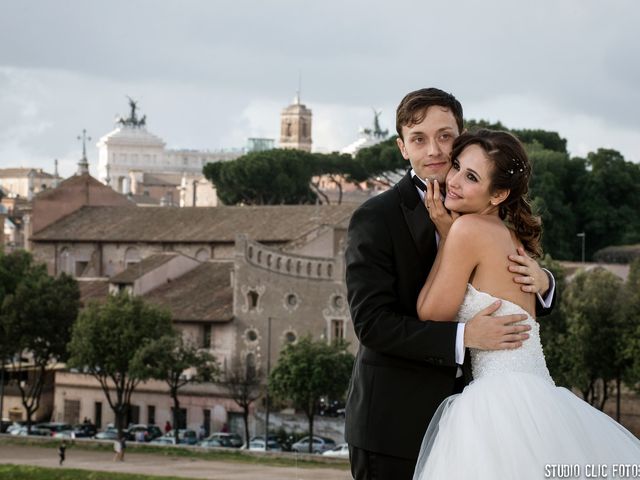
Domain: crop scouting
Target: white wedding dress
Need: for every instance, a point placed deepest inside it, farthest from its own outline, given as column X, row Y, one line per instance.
column 512, row 422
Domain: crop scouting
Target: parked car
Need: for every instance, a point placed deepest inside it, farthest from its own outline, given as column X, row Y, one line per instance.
column 232, row 440
column 55, row 427
column 320, row 444
column 108, row 434
column 23, row 431
column 164, row 440
column 341, row 451
column 85, row 430
column 185, row 435
column 149, row 432
column 258, row 446
column 15, row 426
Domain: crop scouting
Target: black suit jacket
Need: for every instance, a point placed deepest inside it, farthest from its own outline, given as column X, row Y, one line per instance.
column 404, row 367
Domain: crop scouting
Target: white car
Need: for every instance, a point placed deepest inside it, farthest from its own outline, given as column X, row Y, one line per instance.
column 258, row 446
column 341, row 451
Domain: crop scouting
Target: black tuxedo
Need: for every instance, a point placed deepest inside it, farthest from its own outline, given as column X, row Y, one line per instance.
column 404, row 367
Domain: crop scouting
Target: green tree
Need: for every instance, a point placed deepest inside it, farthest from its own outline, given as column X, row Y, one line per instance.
column 271, row 177
column 176, row 362
column 609, row 205
column 37, row 315
column 553, row 328
column 552, row 190
column 105, row 341
column 630, row 313
column 308, row 370
column 590, row 305
column 382, row 162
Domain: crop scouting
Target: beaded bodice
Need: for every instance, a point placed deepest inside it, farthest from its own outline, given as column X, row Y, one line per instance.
column 527, row 359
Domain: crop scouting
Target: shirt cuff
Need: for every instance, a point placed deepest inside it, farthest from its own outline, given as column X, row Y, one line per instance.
column 548, row 299
column 460, row 344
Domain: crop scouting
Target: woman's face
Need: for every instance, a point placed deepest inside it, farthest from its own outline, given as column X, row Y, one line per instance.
column 469, row 183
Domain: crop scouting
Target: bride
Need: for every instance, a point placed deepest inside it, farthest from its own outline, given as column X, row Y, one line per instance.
column 511, row 421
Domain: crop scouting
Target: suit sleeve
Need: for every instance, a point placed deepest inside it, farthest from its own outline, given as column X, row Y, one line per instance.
column 541, row 310
column 374, row 303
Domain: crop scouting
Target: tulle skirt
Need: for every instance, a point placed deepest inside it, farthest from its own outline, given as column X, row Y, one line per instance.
column 521, row 426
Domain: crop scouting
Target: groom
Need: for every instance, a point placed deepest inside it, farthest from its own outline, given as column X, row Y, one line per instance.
column 404, row 367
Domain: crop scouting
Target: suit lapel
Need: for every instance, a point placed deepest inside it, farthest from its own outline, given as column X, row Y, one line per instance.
column 415, row 214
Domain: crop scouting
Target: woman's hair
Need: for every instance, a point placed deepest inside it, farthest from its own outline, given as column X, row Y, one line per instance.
column 511, row 171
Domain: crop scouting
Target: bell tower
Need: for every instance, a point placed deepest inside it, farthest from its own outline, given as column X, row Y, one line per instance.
column 295, row 126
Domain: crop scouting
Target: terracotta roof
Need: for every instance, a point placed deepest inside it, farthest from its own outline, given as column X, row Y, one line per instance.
column 203, row 294
column 23, row 172
column 133, row 272
column 280, row 223
column 93, row 289
column 144, row 200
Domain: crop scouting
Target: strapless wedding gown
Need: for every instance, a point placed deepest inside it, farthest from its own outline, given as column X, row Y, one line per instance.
column 512, row 422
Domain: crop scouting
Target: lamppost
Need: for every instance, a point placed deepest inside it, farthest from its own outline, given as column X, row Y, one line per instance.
column 583, row 236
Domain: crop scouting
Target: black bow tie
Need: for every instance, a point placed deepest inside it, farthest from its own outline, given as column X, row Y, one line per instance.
column 419, row 183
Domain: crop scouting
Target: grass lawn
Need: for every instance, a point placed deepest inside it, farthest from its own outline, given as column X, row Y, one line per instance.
column 226, row 455
column 21, row 472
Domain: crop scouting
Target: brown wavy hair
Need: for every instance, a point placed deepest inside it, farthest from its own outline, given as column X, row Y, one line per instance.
column 511, row 171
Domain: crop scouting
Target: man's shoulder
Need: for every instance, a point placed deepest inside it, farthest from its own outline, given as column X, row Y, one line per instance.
column 386, row 201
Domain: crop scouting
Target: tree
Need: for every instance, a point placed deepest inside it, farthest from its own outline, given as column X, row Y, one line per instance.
column 177, row 362
column 37, row 315
column 271, row 177
column 590, row 304
column 608, row 207
column 105, row 341
column 308, row 370
column 630, row 313
column 553, row 328
column 244, row 384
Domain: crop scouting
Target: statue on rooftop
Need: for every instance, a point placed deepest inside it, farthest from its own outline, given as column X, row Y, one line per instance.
column 133, row 120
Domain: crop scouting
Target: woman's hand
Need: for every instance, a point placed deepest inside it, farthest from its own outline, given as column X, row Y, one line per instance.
column 440, row 216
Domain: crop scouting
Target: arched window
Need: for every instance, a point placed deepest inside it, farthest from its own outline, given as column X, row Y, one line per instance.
column 252, row 296
column 131, row 256
column 251, row 365
column 203, row 255
column 65, row 262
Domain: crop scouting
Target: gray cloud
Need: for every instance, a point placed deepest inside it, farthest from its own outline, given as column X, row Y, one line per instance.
column 211, row 73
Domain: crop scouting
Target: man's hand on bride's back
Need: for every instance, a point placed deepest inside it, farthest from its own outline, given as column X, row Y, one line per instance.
column 486, row 332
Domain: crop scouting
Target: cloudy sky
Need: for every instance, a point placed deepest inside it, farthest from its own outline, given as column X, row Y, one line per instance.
column 210, row 74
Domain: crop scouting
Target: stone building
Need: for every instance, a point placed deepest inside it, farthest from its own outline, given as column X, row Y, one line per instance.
column 239, row 281
column 26, row 182
column 130, row 151
column 295, row 126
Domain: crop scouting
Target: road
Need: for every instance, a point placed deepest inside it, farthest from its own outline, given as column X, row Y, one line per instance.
column 160, row 465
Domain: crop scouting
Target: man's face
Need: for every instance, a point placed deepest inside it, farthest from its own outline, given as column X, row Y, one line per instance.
column 427, row 145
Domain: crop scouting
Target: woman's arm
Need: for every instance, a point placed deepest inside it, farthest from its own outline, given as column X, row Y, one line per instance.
column 457, row 257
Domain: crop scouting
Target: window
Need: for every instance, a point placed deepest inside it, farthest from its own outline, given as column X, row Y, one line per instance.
column 337, row 329
column 151, row 414
column 71, row 411
column 251, row 366
column 80, row 268
column 290, row 337
column 251, row 335
column 253, row 296
column 97, row 414
column 182, row 417
column 292, row 300
column 206, row 336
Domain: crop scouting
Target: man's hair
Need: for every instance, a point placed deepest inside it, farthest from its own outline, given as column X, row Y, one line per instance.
column 413, row 107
